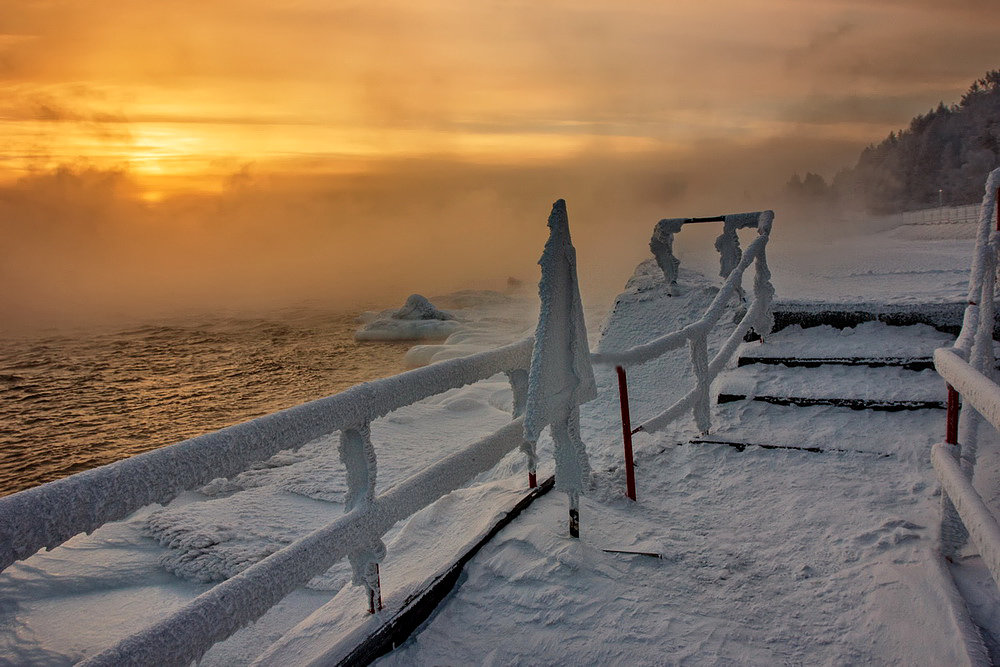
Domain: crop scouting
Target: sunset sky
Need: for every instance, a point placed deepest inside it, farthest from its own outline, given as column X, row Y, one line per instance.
column 418, row 115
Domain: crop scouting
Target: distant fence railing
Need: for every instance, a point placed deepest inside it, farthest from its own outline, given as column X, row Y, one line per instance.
column 941, row 215
column 969, row 369
column 758, row 317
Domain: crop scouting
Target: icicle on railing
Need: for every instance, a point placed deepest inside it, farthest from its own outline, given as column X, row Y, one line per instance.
column 358, row 456
column 969, row 369
column 758, row 317
column 560, row 377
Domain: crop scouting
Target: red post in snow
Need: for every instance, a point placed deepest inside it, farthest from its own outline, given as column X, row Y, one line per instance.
column 375, row 595
column 951, row 430
column 626, row 433
column 532, row 480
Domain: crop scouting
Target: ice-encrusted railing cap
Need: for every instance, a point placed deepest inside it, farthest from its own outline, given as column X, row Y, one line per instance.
column 669, row 225
column 558, row 226
column 742, row 220
column 980, row 261
column 561, row 376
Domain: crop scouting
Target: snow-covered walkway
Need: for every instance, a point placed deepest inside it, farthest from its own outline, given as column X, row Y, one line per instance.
column 768, row 556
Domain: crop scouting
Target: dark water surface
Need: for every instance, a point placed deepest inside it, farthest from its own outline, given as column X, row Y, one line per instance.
column 74, row 401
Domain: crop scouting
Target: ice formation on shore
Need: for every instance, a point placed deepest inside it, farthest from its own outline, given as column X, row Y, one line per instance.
column 418, row 319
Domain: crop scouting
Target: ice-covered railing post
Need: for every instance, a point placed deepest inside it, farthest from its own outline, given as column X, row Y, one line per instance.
column 758, row 317
column 662, row 247
column 969, row 369
column 727, row 243
column 358, row 456
column 560, row 377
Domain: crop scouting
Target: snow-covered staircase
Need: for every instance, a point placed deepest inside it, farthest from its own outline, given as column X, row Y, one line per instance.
column 870, row 388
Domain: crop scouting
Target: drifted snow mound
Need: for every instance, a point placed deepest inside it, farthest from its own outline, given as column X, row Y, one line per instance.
column 419, row 308
column 418, row 319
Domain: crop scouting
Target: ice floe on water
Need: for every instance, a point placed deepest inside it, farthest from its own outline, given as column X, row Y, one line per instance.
column 418, row 319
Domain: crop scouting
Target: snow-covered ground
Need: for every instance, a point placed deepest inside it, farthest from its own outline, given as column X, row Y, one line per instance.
column 768, row 556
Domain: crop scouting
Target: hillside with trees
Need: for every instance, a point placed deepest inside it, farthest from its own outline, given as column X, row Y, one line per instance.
column 942, row 158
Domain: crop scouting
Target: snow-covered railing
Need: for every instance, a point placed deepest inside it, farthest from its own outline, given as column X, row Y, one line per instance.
column 187, row 634
column 46, row 516
column 969, row 369
column 550, row 376
column 50, row 514
column 758, row 316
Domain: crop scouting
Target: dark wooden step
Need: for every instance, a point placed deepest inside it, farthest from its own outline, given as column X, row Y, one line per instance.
column 946, row 317
column 909, row 363
column 852, row 403
column 740, row 446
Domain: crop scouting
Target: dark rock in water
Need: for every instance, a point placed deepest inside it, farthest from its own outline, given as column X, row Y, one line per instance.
column 417, row 307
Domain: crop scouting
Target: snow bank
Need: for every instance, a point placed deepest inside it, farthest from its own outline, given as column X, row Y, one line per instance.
column 418, row 319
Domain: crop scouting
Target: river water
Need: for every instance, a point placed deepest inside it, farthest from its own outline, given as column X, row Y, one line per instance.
column 74, row 401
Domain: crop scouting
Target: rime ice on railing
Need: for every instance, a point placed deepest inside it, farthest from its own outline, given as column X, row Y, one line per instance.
column 969, row 368
column 727, row 244
column 662, row 247
column 758, row 316
column 561, row 377
column 358, row 455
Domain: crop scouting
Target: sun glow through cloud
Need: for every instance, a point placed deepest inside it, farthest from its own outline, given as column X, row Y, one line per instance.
column 434, row 128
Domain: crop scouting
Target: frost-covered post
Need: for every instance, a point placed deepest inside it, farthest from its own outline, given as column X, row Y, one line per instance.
column 702, row 399
column 762, row 287
column 728, row 244
column 561, row 378
column 662, row 247
column 975, row 343
column 358, row 455
column 519, row 388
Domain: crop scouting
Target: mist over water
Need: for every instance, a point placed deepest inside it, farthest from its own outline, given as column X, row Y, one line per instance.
column 83, row 245
column 129, row 324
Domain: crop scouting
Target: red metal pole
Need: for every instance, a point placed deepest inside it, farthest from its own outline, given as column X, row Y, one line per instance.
column 626, row 433
column 375, row 594
column 951, row 431
column 532, row 480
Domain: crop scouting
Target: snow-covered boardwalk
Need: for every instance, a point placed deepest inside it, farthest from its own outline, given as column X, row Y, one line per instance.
column 768, row 556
